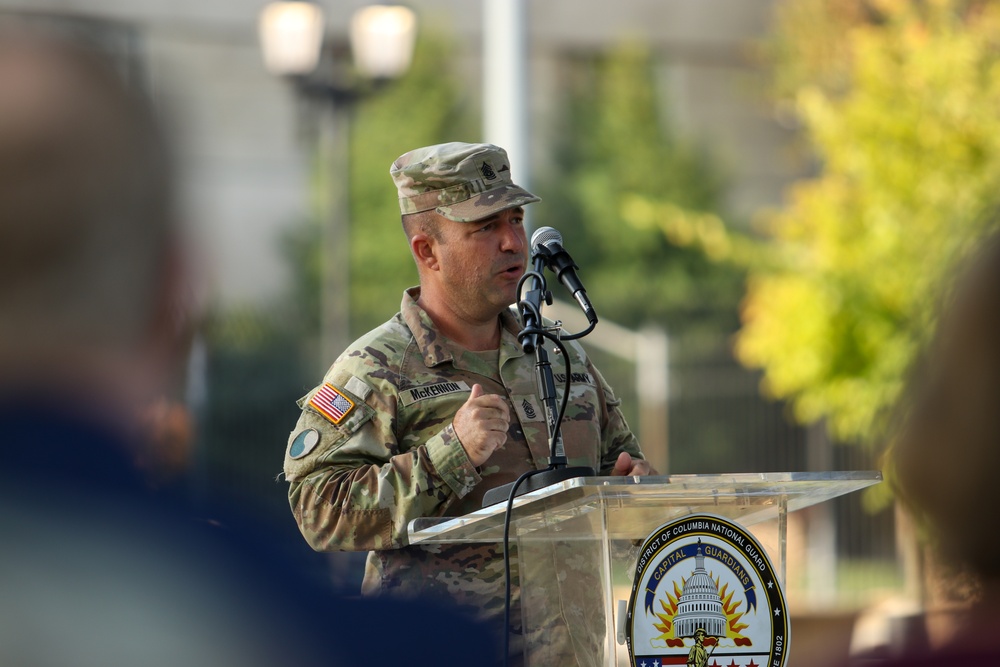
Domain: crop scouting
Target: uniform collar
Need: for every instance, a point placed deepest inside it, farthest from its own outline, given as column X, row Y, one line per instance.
column 436, row 348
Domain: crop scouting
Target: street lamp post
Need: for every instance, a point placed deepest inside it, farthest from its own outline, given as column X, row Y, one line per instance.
column 381, row 48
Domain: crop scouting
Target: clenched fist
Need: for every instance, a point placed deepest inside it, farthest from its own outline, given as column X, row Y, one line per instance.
column 481, row 424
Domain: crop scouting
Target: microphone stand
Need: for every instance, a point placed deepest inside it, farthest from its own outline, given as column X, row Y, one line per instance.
column 533, row 341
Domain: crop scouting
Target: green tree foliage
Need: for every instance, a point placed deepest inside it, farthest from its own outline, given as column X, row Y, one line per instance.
column 426, row 107
column 899, row 102
column 616, row 162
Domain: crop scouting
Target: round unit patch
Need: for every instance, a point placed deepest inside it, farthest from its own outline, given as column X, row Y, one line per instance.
column 705, row 594
column 303, row 443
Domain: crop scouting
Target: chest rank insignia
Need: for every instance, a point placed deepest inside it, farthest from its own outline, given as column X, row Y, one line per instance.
column 332, row 404
column 705, row 594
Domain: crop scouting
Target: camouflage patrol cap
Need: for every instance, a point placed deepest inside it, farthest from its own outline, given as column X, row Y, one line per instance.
column 462, row 182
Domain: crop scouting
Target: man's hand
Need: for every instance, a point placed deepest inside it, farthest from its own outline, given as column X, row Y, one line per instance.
column 627, row 466
column 481, row 424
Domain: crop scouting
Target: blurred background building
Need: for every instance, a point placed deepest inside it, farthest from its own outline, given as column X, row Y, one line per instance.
column 631, row 107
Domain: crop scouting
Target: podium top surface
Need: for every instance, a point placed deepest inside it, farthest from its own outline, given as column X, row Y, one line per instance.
column 632, row 507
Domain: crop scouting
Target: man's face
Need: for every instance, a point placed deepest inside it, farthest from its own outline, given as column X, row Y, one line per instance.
column 481, row 262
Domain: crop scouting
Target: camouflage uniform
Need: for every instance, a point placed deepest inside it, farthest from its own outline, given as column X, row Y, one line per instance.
column 395, row 457
column 375, row 448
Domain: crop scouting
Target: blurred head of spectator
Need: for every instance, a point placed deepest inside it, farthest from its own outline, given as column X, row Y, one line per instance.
column 96, row 568
column 93, row 290
column 91, row 274
column 947, row 457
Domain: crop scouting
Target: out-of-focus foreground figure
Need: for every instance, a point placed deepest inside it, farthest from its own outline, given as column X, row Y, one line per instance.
column 102, row 563
column 89, row 266
column 98, row 568
column 947, row 458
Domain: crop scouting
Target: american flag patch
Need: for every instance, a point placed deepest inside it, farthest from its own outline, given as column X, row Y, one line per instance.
column 331, row 403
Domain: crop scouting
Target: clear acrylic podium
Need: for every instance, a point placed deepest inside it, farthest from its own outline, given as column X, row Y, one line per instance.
column 577, row 542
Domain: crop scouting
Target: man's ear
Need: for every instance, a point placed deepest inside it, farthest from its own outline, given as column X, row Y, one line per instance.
column 424, row 249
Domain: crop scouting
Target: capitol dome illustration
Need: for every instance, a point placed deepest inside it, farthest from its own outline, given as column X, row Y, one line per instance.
column 700, row 605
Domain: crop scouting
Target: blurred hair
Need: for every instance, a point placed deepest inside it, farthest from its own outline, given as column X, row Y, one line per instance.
column 946, row 458
column 86, row 209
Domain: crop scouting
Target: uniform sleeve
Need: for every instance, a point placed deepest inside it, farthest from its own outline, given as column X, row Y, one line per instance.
column 616, row 436
column 353, row 485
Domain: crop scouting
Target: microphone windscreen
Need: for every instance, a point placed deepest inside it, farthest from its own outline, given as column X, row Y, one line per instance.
column 544, row 236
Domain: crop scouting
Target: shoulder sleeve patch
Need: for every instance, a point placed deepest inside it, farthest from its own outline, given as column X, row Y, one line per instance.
column 320, row 430
column 303, row 443
column 331, row 403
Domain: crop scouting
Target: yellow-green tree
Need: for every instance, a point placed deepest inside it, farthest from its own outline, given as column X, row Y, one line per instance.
column 901, row 103
column 616, row 148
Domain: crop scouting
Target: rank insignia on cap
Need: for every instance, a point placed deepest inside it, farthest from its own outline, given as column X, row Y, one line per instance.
column 332, row 404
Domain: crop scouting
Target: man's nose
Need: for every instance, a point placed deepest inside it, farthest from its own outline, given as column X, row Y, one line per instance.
column 513, row 239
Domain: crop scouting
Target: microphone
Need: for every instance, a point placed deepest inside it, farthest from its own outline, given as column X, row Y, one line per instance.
column 560, row 263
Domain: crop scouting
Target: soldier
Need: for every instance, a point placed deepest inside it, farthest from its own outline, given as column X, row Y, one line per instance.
column 698, row 657
column 423, row 415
